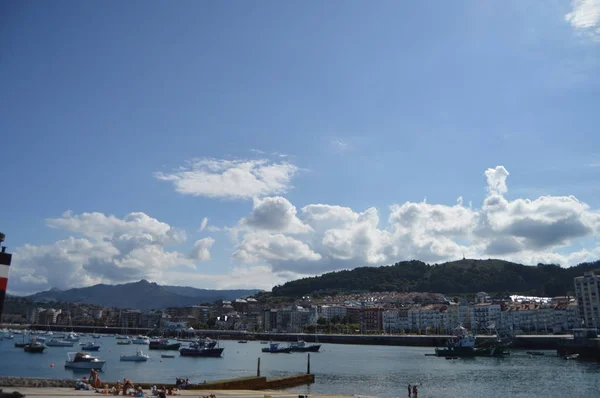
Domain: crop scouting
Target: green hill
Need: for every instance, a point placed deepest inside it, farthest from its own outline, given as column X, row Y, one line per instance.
column 456, row 277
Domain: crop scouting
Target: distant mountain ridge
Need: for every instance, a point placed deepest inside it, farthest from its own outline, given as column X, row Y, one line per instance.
column 465, row 276
column 142, row 295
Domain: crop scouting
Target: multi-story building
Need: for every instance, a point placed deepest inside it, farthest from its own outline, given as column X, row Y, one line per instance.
column 371, row 319
column 330, row 311
column 270, row 320
column 485, row 316
column 587, row 291
column 391, row 320
column 130, row 318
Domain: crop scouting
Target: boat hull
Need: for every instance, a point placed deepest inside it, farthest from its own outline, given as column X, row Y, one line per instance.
column 469, row 352
column 173, row 346
column 34, row 349
column 286, row 350
column 91, row 348
column 203, row 352
column 310, row 348
column 134, row 359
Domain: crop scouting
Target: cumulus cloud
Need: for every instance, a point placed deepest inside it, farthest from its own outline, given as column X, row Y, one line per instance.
column 585, row 16
column 201, row 250
column 275, row 214
column 238, row 179
column 203, row 224
column 109, row 249
column 518, row 230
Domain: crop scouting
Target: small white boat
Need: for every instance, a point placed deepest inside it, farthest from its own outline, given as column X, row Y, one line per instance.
column 138, row 357
column 72, row 337
column 60, row 343
column 145, row 340
column 83, row 360
column 89, row 346
column 124, row 342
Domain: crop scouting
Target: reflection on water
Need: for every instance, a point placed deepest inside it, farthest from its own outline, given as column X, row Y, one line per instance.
column 339, row 369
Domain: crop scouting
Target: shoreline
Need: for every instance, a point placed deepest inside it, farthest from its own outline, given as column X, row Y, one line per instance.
column 47, row 392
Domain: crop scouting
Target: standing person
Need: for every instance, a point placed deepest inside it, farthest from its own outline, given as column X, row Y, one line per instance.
column 415, row 391
column 409, row 390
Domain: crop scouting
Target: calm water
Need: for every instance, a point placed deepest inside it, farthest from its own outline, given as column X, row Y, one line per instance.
column 339, row 369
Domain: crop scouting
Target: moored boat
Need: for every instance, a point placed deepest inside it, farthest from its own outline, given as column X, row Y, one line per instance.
column 34, row 347
column 274, row 348
column 163, row 344
column 83, row 360
column 60, row 343
column 143, row 340
column 301, row 346
column 462, row 345
column 124, row 342
column 89, row 346
column 201, row 348
column 167, row 356
column 139, row 356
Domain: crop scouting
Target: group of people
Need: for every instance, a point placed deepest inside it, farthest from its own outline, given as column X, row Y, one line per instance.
column 414, row 391
column 182, row 383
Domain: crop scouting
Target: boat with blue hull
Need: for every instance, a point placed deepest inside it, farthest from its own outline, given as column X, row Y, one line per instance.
column 274, row 348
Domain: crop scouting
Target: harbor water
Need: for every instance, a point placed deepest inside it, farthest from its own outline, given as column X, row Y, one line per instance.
column 374, row 371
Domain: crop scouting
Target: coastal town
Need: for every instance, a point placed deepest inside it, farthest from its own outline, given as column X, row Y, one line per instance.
column 356, row 313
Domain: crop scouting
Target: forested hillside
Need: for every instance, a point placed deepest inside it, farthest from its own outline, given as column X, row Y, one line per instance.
column 457, row 277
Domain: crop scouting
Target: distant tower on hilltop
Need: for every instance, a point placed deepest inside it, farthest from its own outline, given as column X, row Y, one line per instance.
column 5, row 259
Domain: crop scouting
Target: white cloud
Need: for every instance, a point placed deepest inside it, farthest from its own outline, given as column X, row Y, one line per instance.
column 274, row 214
column 257, row 246
column 201, row 250
column 203, row 224
column 585, row 16
column 241, row 179
column 340, row 238
column 110, row 250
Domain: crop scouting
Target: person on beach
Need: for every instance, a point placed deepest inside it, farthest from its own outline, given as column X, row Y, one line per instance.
column 409, row 391
column 415, row 391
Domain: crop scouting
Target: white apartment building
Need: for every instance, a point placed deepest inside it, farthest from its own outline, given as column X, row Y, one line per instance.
column 485, row 316
column 391, row 321
column 587, row 291
column 330, row 311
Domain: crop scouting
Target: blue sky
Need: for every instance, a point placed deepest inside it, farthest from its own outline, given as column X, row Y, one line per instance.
column 141, row 119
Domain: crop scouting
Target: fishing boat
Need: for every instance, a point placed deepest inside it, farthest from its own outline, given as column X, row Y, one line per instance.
column 83, row 360
column 34, row 347
column 139, row 356
column 60, row 343
column 89, row 346
column 301, row 346
column 201, row 348
column 163, row 344
column 462, row 345
column 274, row 348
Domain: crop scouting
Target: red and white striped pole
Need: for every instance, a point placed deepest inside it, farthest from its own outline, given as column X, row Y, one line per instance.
column 5, row 259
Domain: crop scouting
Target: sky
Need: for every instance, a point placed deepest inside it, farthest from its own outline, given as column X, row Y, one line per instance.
column 244, row 144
